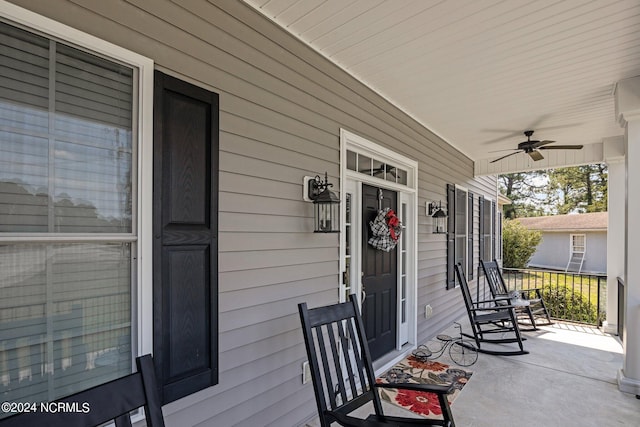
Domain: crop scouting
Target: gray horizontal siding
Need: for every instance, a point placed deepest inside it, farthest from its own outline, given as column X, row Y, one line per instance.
column 554, row 250
column 281, row 109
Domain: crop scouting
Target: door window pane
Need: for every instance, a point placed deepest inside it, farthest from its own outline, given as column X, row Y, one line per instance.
column 378, row 169
column 402, row 176
column 403, row 272
column 375, row 167
column 346, row 276
column 364, row 164
column 351, row 160
column 392, row 172
column 348, row 224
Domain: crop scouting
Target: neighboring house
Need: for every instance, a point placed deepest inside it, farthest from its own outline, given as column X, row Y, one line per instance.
column 153, row 158
column 574, row 242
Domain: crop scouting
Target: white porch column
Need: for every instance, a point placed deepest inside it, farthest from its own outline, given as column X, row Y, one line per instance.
column 628, row 114
column 614, row 155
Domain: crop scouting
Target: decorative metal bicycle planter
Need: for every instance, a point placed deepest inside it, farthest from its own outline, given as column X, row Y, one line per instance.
column 462, row 351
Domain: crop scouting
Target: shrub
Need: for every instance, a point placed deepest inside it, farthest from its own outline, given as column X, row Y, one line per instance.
column 563, row 303
column 519, row 244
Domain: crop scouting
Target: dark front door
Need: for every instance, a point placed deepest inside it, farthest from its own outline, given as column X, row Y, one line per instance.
column 185, row 231
column 379, row 277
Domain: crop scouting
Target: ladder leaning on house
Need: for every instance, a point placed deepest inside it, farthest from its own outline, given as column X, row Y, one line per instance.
column 575, row 262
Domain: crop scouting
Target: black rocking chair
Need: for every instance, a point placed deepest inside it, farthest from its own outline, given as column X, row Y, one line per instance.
column 528, row 303
column 343, row 376
column 112, row 401
column 491, row 317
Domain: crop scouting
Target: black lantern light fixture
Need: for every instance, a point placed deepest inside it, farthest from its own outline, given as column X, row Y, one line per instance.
column 439, row 217
column 326, row 205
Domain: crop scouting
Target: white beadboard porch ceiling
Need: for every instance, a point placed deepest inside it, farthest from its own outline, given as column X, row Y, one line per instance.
column 480, row 72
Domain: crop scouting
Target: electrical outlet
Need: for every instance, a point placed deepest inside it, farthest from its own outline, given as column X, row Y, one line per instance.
column 428, row 311
column 306, row 372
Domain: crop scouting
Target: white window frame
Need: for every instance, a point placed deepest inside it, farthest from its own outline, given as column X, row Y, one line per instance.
column 141, row 235
column 492, row 232
column 465, row 190
column 571, row 245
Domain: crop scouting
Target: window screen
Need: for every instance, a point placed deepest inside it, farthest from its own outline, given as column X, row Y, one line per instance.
column 66, row 139
column 457, row 239
column 66, row 166
column 487, row 227
column 461, row 228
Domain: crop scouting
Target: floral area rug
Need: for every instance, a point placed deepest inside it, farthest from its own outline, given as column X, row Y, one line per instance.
column 412, row 370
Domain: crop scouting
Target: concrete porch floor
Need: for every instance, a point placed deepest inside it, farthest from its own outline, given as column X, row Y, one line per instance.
column 568, row 379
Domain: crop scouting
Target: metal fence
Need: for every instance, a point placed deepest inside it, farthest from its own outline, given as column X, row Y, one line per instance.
column 573, row 297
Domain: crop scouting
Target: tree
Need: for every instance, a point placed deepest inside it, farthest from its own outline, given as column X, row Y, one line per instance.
column 519, row 244
column 555, row 191
column 579, row 189
column 523, row 189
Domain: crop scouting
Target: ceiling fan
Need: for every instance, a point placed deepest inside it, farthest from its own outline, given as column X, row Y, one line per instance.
column 532, row 147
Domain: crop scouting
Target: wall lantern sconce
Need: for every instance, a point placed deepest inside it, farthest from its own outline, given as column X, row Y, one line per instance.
column 326, row 205
column 438, row 217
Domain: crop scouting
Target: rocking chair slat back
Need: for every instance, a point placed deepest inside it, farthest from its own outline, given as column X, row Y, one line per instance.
column 494, row 278
column 532, row 309
column 340, row 374
column 343, row 375
column 111, row 401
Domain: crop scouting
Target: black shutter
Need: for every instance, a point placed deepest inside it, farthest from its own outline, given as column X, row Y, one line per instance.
column 185, row 237
column 499, row 236
column 481, row 227
column 493, row 229
column 470, row 236
column 451, row 235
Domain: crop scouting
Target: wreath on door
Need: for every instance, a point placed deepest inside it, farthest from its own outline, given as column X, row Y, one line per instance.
column 386, row 229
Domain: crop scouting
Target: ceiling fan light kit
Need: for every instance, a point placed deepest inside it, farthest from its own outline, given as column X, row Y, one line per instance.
column 532, row 147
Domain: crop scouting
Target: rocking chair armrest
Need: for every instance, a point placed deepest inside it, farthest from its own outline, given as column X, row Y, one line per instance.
column 432, row 388
column 495, row 308
column 497, row 299
column 501, row 297
column 347, row 421
column 507, row 295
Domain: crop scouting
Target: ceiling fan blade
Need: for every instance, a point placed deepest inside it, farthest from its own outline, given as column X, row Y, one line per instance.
column 506, row 149
column 563, row 147
column 503, row 157
column 540, row 143
column 536, row 155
